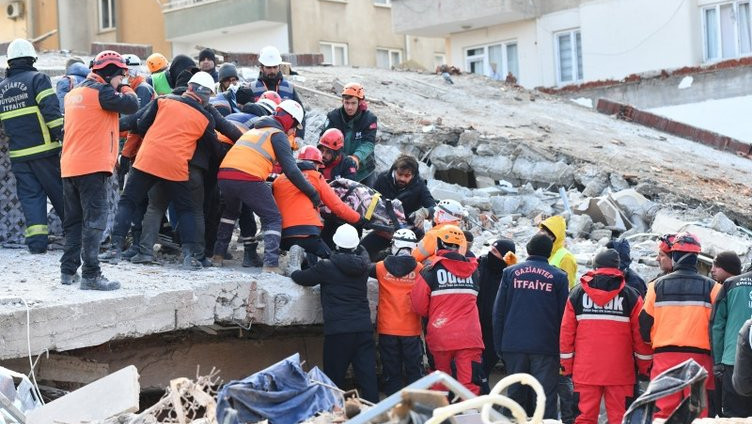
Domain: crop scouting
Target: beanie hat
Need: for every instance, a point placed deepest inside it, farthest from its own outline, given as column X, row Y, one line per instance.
column 608, row 258
column 540, row 245
column 207, row 54
column 227, row 70
column 729, row 262
column 504, row 245
column 468, row 236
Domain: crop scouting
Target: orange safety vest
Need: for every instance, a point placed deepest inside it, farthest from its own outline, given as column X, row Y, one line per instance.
column 224, row 139
column 91, row 135
column 395, row 313
column 253, row 153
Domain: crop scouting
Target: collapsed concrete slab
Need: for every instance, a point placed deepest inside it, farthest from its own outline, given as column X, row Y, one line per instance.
column 713, row 242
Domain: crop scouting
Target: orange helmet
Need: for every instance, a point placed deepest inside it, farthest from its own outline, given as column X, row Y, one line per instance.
column 108, row 57
column 156, row 62
column 333, row 139
column 452, row 236
column 271, row 95
column 311, row 153
column 354, row 89
column 687, row 243
column 665, row 241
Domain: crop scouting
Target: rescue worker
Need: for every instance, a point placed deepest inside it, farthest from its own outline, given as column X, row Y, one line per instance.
column 242, row 180
column 402, row 182
column 75, row 73
column 490, row 268
column 600, row 341
column 181, row 70
column 448, row 212
column 732, row 307
column 137, row 82
column 157, row 65
column 225, row 100
column 526, row 322
column 336, row 165
column 742, row 378
column 171, row 128
column 207, row 62
column 663, row 257
column 348, row 331
column 228, row 77
column 675, row 318
column 270, row 78
column 30, row 115
column 446, row 292
column 301, row 221
column 88, row 159
column 399, row 328
column 625, row 259
column 358, row 125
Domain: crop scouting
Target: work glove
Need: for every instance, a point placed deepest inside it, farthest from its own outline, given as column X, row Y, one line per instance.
column 419, row 216
column 510, row 258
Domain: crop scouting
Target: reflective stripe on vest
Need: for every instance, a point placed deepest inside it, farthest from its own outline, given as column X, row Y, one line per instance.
column 258, row 145
column 47, row 144
column 36, row 230
column 285, row 89
column 160, row 83
column 558, row 257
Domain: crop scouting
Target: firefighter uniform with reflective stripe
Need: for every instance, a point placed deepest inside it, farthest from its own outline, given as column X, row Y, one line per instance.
column 675, row 321
column 30, row 114
column 600, row 342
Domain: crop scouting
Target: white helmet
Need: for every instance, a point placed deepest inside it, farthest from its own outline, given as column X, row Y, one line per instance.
column 132, row 60
column 449, row 210
column 346, row 237
column 21, row 48
column 268, row 104
column 403, row 239
column 293, row 108
column 269, row 56
column 203, row 79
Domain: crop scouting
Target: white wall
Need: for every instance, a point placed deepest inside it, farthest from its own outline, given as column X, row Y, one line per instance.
column 622, row 37
column 249, row 40
column 547, row 26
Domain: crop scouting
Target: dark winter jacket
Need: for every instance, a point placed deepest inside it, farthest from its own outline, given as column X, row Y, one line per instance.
column 180, row 71
column 74, row 75
column 344, row 290
column 625, row 259
column 341, row 167
column 30, row 114
column 731, row 309
column 360, row 137
column 414, row 195
column 446, row 293
column 742, row 377
column 600, row 331
column 490, row 269
column 529, row 306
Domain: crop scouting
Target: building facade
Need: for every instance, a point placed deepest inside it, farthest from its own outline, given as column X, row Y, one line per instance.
column 547, row 43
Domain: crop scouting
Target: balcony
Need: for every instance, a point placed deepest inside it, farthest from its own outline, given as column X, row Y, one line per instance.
column 439, row 18
column 186, row 19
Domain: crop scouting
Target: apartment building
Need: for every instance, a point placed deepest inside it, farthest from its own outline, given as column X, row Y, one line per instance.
column 556, row 43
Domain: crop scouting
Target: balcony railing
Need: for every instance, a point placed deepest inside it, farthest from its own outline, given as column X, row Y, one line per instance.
column 181, row 4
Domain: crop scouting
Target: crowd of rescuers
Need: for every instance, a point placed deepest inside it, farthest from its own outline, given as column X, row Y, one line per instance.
column 201, row 144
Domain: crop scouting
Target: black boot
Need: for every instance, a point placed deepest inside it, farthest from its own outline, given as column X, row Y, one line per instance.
column 251, row 257
column 115, row 252
column 133, row 250
column 189, row 258
column 99, row 283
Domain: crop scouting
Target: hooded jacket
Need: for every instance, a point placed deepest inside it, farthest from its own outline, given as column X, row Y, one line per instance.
column 625, row 259
column 600, row 332
column 299, row 216
column 528, row 308
column 490, row 269
column 397, row 276
column 414, row 195
column 560, row 256
column 360, row 137
column 181, row 69
column 731, row 309
column 446, row 293
column 74, row 75
column 344, row 292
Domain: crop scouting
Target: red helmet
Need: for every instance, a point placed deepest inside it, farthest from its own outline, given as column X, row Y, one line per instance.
column 686, row 242
column 108, row 57
column 333, row 139
column 310, row 153
column 665, row 241
column 271, row 95
column 354, row 89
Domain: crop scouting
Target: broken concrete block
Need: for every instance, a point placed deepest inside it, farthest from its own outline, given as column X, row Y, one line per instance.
column 506, row 205
column 107, row 397
column 723, row 224
column 481, row 202
column 587, row 173
column 542, row 171
column 445, row 157
column 579, row 225
column 634, row 203
column 441, row 190
column 594, row 188
column 495, row 167
column 488, row 191
column 488, row 149
column 469, row 138
column 484, row 182
column 603, row 210
column 385, row 155
column 618, row 182
column 712, row 241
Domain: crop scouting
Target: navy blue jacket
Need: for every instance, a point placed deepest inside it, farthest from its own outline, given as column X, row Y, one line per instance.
column 30, row 114
column 529, row 307
column 74, row 75
column 414, row 195
column 625, row 259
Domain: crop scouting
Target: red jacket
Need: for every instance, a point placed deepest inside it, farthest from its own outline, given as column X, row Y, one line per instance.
column 600, row 332
column 446, row 293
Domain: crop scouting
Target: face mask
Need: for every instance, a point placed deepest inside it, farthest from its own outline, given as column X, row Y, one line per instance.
column 234, row 87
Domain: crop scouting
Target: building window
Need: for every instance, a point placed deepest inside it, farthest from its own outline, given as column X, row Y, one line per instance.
column 387, row 58
column 726, row 30
column 106, row 14
column 382, row 2
column 495, row 61
column 334, row 53
column 568, row 56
